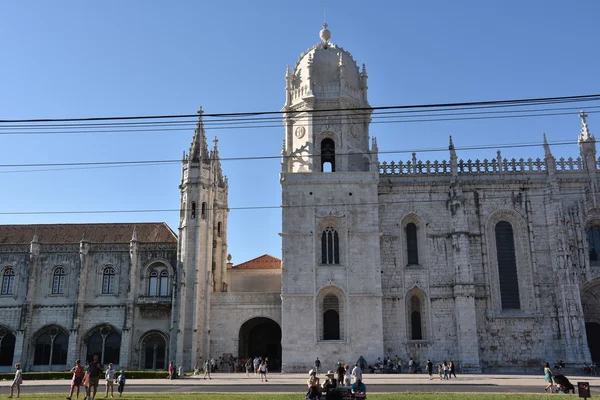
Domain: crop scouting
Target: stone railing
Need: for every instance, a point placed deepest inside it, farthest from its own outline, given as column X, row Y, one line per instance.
column 154, row 300
column 500, row 165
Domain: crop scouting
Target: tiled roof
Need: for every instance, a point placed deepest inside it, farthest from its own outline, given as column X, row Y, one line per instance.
column 263, row 262
column 148, row 232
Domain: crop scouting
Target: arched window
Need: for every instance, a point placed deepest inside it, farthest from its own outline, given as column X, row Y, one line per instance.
column 331, row 318
column 164, row 283
column 153, row 286
column 58, row 281
column 7, row 348
column 219, row 229
column 108, row 280
column 158, row 284
column 412, row 244
column 507, row 266
column 203, row 215
column 416, row 328
column 8, row 281
column 327, row 155
column 154, row 347
column 193, row 211
column 593, row 234
column 330, row 246
column 51, row 348
column 105, row 343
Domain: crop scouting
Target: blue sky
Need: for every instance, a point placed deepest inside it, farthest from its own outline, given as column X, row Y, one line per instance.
column 66, row 59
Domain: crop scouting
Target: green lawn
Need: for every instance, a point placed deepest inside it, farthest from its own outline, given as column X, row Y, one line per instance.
column 299, row 396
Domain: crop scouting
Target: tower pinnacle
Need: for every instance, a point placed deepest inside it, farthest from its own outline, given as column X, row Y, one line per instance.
column 325, row 34
column 585, row 132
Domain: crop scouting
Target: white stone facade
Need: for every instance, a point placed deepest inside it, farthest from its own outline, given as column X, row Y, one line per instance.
column 491, row 264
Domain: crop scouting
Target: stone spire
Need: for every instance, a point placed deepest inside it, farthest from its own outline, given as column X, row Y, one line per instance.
column 216, row 161
column 199, row 148
column 547, row 152
column 585, row 135
column 587, row 144
column 453, row 160
column 549, row 158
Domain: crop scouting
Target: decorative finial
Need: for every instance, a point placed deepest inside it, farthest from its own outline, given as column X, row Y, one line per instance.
column 364, row 69
column 451, row 146
column 288, row 70
column 35, row 237
column 200, row 111
column 215, row 141
column 325, row 34
column 585, row 132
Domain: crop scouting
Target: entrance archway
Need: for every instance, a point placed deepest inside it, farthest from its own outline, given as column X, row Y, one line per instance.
column 261, row 337
column 590, row 300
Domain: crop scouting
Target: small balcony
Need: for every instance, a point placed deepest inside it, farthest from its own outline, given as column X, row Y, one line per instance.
column 154, row 306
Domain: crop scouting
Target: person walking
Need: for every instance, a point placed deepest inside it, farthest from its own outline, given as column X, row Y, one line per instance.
column 429, row 367
column 95, row 370
column 411, row 363
column 440, row 371
column 340, row 374
column 248, row 366
column 262, row 369
column 77, row 379
column 445, row 368
column 452, row 370
column 17, row 381
column 109, row 374
column 347, row 375
column 548, row 377
column 317, row 366
column 207, row 369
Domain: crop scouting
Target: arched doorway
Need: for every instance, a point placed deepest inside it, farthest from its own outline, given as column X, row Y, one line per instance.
column 261, row 337
column 153, row 351
column 590, row 300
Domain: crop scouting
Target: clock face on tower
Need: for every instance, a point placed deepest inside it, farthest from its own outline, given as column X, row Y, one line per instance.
column 300, row 131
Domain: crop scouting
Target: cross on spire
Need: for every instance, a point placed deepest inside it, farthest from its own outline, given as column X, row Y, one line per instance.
column 583, row 116
column 215, row 141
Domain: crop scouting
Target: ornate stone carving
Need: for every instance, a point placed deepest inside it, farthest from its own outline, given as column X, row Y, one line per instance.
column 300, row 132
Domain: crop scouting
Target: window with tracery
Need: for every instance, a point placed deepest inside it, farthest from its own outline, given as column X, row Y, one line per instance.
column 330, row 246
column 8, row 281
column 51, row 348
column 159, row 283
column 108, row 280
column 58, row 281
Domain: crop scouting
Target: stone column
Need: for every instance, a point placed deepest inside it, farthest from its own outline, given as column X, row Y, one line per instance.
column 19, row 356
column 464, row 287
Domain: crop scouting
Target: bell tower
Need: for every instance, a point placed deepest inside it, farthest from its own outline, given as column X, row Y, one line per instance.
column 201, row 259
column 331, row 267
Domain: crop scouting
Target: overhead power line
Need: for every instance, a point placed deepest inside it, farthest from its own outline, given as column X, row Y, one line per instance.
column 540, row 100
column 177, row 161
column 346, row 204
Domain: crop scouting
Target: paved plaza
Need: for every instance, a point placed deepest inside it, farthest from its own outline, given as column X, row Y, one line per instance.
column 295, row 383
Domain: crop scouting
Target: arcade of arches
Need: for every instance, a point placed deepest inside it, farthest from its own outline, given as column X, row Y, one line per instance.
column 261, row 337
column 590, row 300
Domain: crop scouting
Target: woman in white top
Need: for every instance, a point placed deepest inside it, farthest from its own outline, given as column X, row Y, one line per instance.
column 110, row 380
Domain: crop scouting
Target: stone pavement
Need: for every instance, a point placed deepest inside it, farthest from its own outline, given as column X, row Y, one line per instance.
column 295, row 383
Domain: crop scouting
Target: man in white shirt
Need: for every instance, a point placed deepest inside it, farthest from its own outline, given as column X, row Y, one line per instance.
column 356, row 373
column 410, row 366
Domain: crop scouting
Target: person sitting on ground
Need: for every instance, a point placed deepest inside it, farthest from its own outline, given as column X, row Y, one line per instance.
column 329, row 386
column 359, row 388
column 314, row 389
